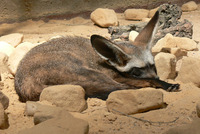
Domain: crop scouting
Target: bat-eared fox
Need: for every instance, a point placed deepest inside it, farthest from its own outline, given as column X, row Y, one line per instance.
column 98, row 65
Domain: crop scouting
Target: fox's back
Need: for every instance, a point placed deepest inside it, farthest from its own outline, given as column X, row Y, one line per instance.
column 64, row 60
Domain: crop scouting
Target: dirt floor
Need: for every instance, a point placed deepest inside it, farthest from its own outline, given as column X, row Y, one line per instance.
column 181, row 107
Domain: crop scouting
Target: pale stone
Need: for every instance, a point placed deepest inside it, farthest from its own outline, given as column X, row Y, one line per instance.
column 189, row 71
column 6, row 48
column 174, row 42
column 133, row 35
column 62, row 125
column 3, row 63
column 165, row 65
column 134, row 101
column 71, row 97
column 13, row 39
column 189, row 6
column 136, row 14
column 104, row 17
column 152, row 12
column 146, row 19
column 17, row 55
column 193, row 54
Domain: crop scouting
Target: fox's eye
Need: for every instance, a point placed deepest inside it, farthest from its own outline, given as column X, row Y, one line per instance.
column 135, row 71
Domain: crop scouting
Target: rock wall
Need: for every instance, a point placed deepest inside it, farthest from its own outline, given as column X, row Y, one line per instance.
column 19, row 10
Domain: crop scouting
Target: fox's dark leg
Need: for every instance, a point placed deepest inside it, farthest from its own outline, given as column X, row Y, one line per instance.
column 168, row 86
column 165, row 85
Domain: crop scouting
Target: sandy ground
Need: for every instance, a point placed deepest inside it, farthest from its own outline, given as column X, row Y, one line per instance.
column 181, row 107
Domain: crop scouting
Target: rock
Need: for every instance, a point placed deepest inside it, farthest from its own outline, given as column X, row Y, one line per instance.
column 136, row 14
column 134, row 101
column 43, row 112
column 192, row 128
column 122, row 32
column 133, row 35
column 17, row 55
column 146, row 19
column 198, row 109
column 4, row 100
column 13, row 39
column 6, row 48
column 65, row 125
column 179, row 64
column 3, row 118
column 193, row 54
column 189, row 71
column 3, row 63
column 165, row 65
column 32, row 107
column 179, row 53
column 152, row 12
column 174, row 42
column 69, row 96
column 104, row 17
column 168, row 23
column 189, row 6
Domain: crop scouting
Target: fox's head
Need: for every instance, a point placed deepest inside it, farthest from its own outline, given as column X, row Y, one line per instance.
column 132, row 59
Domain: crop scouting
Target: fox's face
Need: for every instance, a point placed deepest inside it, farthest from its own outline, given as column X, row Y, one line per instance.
column 131, row 59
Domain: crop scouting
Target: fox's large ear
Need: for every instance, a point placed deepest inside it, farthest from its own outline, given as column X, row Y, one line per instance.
column 109, row 51
column 145, row 36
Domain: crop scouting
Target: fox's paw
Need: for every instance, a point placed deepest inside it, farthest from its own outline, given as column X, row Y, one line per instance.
column 173, row 88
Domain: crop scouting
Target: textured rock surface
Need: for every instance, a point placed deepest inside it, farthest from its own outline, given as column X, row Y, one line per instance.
column 6, row 48
column 70, row 97
column 192, row 128
column 168, row 23
column 3, row 63
column 104, row 17
column 13, row 39
column 165, row 65
column 189, row 6
column 189, row 71
column 169, row 42
column 136, row 14
column 134, row 101
column 65, row 125
column 17, row 55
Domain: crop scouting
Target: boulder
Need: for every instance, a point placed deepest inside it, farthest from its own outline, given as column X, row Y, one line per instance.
column 4, row 100
column 189, row 71
column 189, row 6
column 65, row 125
column 174, row 42
column 165, row 65
column 6, row 48
column 104, row 17
column 198, row 109
column 17, row 55
column 133, row 35
column 136, row 14
column 70, row 97
column 134, row 101
column 3, row 63
column 152, row 12
column 3, row 118
column 13, row 39
column 193, row 54
column 192, row 128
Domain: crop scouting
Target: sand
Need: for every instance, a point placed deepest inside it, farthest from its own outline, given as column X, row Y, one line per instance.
column 181, row 106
